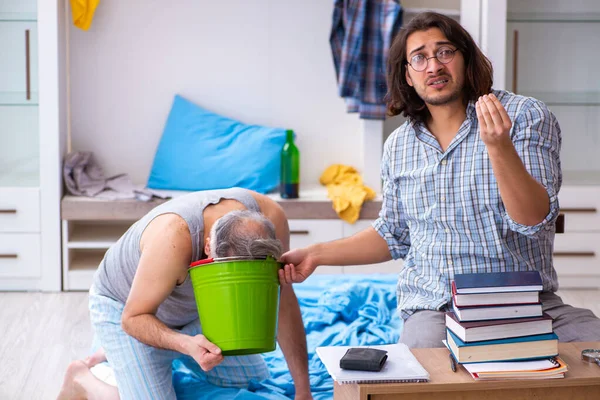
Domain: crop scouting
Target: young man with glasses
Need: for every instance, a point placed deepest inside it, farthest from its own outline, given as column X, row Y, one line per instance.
column 470, row 185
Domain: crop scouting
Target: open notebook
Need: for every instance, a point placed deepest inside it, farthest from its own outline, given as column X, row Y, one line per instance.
column 401, row 366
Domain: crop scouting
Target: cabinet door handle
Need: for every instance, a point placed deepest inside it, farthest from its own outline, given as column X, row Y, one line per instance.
column 8, row 255
column 574, row 254
column 8, row 211
column 580, row 210
column 27, row 66
column 515, row 60
column 299, row 232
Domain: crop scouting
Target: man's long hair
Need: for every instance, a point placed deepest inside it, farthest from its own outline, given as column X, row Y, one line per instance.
column 402, row 98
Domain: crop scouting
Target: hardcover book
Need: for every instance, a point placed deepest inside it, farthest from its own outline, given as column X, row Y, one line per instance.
column 498, row 329
column 518, row 281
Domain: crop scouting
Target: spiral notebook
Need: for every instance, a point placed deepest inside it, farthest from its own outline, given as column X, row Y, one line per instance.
column 401, row 366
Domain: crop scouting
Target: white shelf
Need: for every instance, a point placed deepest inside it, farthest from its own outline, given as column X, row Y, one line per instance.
column 566, row 98
column 85, row 244
column 81, row 279
column 591, row 17
column 18, row 99
column 95, row 235
column 86, row 260
column 581, row 178
column 82, row 267
column 18, row 16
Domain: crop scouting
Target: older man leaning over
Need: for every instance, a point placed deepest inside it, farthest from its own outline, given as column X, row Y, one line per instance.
column 142, row 304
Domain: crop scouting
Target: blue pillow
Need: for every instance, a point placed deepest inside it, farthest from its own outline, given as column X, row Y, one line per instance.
column 201, row 150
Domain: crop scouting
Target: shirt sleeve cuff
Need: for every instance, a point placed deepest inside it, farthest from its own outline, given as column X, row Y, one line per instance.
column 397, row 250
column 546, row 225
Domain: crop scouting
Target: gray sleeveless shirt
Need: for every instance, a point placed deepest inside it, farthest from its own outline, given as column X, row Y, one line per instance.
column 117, row 269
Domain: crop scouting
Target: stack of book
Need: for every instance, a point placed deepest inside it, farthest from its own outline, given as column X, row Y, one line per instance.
column 497, row 321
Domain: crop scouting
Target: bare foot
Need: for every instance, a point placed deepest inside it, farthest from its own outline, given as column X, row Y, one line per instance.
column 71, row 389
column 96, row 358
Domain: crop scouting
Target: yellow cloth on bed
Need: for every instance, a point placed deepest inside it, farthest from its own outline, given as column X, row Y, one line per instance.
column 346, row 190
column 83, row 12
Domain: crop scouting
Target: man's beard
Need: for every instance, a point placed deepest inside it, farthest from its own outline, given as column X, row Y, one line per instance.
column 439, row 101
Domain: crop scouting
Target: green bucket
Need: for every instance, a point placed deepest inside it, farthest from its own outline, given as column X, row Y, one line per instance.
column 238, row 303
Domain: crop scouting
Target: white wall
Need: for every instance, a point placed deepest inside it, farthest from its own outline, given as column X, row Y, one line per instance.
column 262, row 62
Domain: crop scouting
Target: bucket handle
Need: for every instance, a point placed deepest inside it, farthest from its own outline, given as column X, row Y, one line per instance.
column 201, row 262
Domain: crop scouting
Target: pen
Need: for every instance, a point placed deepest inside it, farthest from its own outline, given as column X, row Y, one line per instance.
column 452, row 363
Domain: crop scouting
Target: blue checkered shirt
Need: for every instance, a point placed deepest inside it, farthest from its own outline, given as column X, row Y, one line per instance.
column 442, row 211
column 361, row 35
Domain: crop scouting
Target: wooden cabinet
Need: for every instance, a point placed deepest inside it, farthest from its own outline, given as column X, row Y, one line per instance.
column 29, row 143
column 20, row 256
column 577, row 251
column 84, row 244
column 544, row 49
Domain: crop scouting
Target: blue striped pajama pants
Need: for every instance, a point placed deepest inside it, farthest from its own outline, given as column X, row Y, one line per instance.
column 145, row 372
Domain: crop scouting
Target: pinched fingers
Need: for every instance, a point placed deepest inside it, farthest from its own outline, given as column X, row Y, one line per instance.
column 492, row 109
column 480, row 117
column 506, row 122
column 494, row 122
column 486, row 115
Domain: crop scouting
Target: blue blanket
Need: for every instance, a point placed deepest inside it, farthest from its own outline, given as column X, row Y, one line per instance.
column 344, row 310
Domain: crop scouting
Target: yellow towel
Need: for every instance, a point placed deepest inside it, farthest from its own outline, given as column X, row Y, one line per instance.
column 83, row 12
column 346, row 190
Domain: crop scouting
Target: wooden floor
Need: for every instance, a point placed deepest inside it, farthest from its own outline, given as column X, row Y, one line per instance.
column 42, row 332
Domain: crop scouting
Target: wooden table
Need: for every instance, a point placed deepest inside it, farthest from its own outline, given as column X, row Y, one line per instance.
column 581, row 382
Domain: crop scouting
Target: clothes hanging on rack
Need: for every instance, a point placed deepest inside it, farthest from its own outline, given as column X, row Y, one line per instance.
column 361, row 35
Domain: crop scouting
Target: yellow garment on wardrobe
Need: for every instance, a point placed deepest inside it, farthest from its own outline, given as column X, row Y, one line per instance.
column 83, row 12
column 346, row 190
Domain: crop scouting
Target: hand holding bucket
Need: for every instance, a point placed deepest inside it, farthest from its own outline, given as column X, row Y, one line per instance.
column 207, row 354
column 238, row 302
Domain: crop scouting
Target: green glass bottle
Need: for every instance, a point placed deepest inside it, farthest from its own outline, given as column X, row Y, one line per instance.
column 290, row 168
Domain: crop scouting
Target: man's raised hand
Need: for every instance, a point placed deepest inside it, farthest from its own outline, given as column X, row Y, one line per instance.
column 494, row 122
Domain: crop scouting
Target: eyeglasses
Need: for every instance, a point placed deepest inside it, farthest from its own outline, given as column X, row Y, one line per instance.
column 444, row 55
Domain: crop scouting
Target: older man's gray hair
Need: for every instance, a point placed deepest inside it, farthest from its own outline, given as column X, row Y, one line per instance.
column 244, row 233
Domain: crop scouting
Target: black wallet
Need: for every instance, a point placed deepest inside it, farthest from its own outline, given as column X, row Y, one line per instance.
column 363, row 359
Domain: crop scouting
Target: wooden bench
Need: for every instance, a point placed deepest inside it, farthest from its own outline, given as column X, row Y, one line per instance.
column 581, row 382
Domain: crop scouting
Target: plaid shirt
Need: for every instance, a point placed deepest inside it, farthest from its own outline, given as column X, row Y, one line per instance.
column 442, row 211
column 361, row 36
